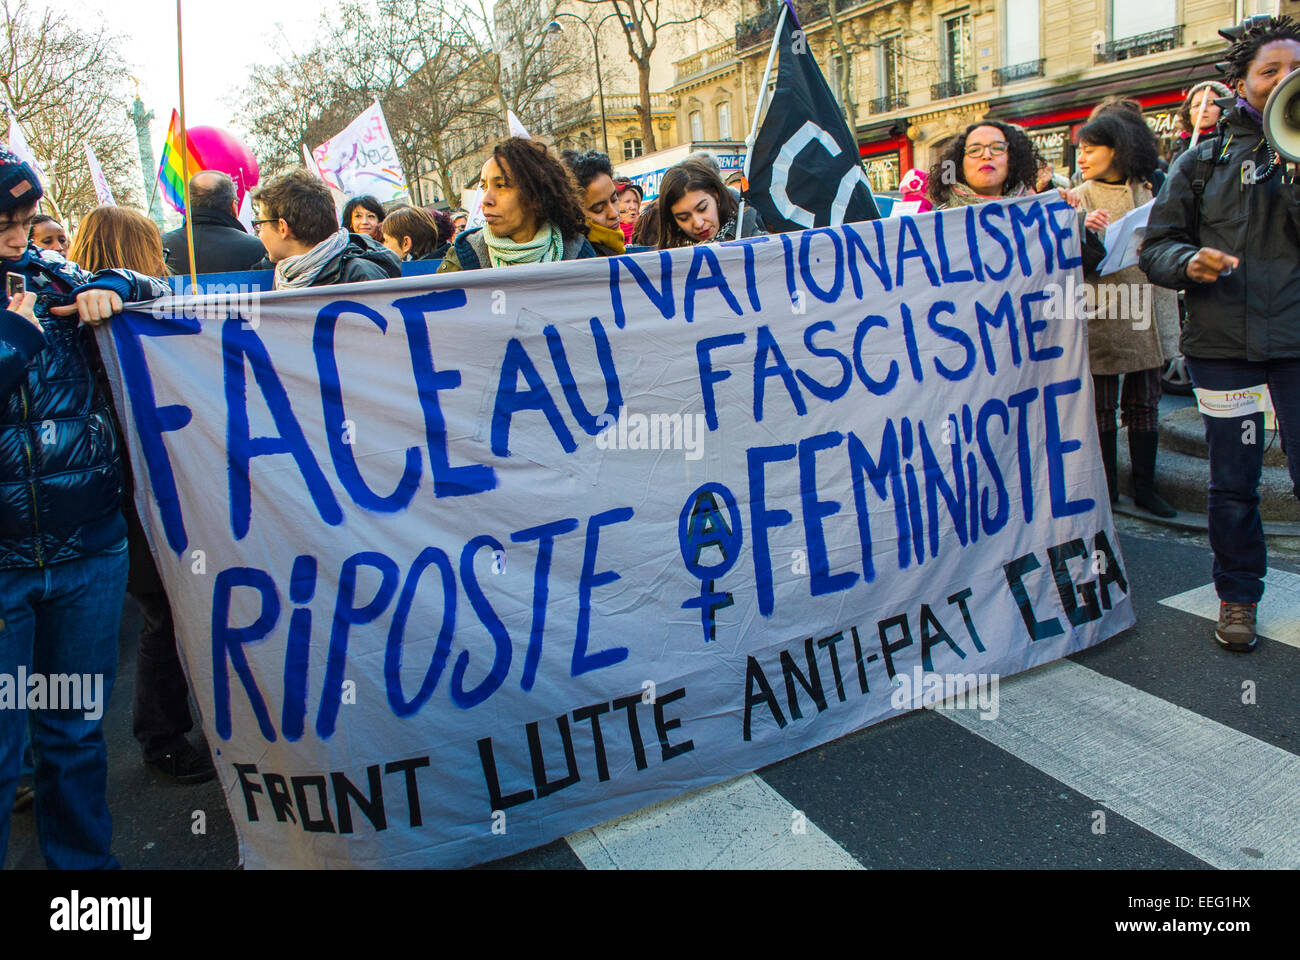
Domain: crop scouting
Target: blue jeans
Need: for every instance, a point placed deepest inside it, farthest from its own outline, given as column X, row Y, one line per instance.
column 1236, row 533
column 62, row 619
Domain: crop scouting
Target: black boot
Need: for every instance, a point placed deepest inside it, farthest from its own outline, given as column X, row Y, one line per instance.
column 1110, row 460
column 1142, row 460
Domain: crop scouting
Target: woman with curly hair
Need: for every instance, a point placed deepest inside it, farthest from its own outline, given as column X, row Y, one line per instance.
column 1226, row 230
column 987, row 161
column 532, row 212
column 1117, row 155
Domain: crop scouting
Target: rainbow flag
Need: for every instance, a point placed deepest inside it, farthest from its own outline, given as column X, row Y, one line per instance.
column 170, row 176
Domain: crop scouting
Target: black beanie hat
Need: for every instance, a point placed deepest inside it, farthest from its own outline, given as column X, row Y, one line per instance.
column 19, row 186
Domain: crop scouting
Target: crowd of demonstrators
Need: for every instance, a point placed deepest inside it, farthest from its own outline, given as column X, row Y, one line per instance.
column 363, row 215
column 415, row 234
column 531, row 211
column 296, row 225
column 221, row 244
column 48, row 234
column 1232, row 247
column 63, row 538
column 695, row 206
column 630, row 198
column 987, row 161
column 601, row 203
column 1118, row 154
column 122, row 238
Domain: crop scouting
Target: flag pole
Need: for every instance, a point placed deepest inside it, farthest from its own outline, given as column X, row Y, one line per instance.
column 185, row 151
column 758, row 111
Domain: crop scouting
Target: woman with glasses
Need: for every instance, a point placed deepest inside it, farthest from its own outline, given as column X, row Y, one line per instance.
column 988, row 161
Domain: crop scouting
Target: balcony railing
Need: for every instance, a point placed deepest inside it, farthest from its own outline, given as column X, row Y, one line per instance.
column 706, row 60
column 894, row 101
column 1169, row 38
column 952, row 88
column 759, row 28
column 1018, row 71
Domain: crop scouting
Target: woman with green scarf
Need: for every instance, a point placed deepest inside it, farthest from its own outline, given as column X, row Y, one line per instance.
column 988, row 161
column 531, row 209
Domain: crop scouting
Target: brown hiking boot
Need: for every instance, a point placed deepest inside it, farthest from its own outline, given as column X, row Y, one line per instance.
column 1236, row 628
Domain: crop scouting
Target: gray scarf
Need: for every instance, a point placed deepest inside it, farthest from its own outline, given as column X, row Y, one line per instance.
column 293, row 273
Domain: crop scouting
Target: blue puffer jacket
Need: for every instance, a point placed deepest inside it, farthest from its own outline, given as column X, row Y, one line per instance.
column 60, row 467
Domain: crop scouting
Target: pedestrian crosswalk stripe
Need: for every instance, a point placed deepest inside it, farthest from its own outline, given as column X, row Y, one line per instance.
column 742, row 824
column 1278, row 615
column 1221, row 795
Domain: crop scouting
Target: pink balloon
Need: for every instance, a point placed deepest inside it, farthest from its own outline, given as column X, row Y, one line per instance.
column 218, row 149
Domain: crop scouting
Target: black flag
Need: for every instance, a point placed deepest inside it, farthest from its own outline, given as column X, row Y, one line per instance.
column 804, row 170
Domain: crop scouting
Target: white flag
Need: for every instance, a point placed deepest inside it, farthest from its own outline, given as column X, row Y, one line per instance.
column 18, row 146
column 340, row 198
column 246, row 213
column 103, row 193
column 516, row 128
column 362, row 159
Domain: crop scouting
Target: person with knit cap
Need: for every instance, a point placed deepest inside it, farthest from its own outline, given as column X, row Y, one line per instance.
column 532, row 211
column 594, row 176
column 63, row 543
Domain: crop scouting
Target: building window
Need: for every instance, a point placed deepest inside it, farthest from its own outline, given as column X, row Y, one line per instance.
column 889, row 67
column 1135, row 19
column 841, row 77
column 957, row 61
column 1022, row 43
column 697, row 125
column 632, row 148
column 724, row 121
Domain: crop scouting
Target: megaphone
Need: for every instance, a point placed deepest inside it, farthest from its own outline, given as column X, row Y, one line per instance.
column 1282, row 118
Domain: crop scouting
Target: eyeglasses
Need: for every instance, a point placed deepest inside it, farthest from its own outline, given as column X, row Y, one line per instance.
column 257, row 224
column 977, row 149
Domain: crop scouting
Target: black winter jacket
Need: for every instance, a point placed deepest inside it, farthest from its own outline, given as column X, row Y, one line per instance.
column 221, row 245
column 1254, row 312
column 60, row 466
column 364, row 259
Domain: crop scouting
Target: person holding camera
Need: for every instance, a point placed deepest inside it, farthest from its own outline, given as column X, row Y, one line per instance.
column 1226, row 229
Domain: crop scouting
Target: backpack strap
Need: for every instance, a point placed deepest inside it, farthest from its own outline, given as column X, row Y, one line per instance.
column 1206, row 159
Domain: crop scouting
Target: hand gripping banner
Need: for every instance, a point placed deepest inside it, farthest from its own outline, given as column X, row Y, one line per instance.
column 462, row 564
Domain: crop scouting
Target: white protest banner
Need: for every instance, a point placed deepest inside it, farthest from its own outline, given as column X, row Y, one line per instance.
column 103, row 192
column 461, row 564
column 362, row 159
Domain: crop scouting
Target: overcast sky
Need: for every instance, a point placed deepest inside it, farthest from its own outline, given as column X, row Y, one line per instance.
column 223, row 40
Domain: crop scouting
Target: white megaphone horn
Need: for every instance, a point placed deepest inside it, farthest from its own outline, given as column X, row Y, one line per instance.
column 1282, row 118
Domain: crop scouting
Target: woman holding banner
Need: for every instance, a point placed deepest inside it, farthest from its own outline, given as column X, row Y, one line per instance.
column 987, row 161
column 531, row 209
column 1130, row 335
